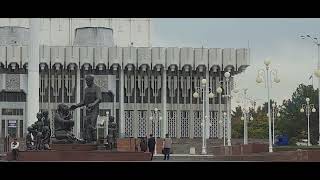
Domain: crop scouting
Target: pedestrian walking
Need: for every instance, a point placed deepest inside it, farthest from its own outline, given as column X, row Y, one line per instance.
column 151, row 145
column 15, row 149
column 167, row 145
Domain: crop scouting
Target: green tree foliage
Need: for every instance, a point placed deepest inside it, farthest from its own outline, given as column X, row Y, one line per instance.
column 237, row 124
column 291, row 121
column 294, row 123
column 258, row 128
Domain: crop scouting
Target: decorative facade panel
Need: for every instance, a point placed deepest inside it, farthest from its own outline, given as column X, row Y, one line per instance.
column 128, row 122
column 172, row 123
column 142, row 123
column 185, row 125
column 105, row 82
column 214, row 124
column 13, row 82
column 156, row 123
column 197, row 123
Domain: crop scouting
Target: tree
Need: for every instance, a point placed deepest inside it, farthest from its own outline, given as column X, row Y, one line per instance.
column 294, row 123
column 258, row 128
column 237, row 124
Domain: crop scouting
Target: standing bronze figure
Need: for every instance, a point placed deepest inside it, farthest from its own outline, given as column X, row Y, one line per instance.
column 91, row 99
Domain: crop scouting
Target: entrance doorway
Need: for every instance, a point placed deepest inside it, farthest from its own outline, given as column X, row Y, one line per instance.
column 12, row 128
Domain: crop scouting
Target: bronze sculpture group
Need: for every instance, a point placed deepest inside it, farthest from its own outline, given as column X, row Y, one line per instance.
column 39, row 134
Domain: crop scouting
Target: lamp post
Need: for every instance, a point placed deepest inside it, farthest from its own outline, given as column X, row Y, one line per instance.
column 155, row 122
column 203, row 91
column 275, row 111
column 224, row 127
column 317, row 72
column 244, row 117
column 260, row 78
column 228, row 96
column 106, row 124
column 245, row 126
column 306, row 108
column 219, row 91
column 154, row 130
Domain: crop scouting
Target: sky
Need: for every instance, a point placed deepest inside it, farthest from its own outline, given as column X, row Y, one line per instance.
column 276, row 39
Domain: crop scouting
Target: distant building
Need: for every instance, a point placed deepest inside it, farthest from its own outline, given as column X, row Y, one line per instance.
column 134, row 76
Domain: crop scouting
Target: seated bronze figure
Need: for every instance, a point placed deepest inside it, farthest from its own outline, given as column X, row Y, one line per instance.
column 63, row 125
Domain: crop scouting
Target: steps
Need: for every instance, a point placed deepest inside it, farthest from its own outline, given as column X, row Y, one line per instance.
column 184, row 157
column 182, row 146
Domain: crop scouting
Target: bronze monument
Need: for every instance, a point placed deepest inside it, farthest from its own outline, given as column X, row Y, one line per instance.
column 91, row 99
column 63, row 125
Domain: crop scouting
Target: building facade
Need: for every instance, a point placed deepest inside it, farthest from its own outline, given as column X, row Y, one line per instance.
column 134, row 77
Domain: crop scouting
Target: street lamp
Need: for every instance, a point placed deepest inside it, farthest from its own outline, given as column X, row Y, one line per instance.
column 316, row 72
column 156, row 124
column 260, row 78
column 306, row 108
column 202, row 89
column 245, row 125
column 245, row 112
column 275, row 111
column 224, row 127
column 228, row 96
column 106, row 124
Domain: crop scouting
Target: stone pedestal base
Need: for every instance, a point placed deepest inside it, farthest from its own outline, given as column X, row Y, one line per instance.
column 81, row 156
column 79, row 152
column 73, row 147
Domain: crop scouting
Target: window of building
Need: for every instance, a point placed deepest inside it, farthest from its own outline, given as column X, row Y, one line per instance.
column 13, row 96
column 102, row 112
column 3, row 128
column 12, row 128
column 107, row 96
column 21, row 128
column 118, row 90
column 12, row 112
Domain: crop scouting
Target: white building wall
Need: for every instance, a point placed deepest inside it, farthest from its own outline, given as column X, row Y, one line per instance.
column 61, row 31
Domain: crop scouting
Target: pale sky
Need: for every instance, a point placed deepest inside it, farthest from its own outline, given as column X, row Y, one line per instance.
column 277, row 39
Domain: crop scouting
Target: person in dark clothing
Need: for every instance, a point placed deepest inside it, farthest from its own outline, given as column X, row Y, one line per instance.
column 15, row 148
column 151, row 145
column 167, row 143
column 143, row 144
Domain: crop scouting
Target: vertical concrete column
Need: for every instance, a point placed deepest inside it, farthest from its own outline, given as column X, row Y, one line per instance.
column 121, row 101
column 5, row 127
column 135, row 112
column 192, row 108
column 78, row 122
column 164, row 103
column 220, row 125
column 207, row 123
column 178, row 103
column 33, row 72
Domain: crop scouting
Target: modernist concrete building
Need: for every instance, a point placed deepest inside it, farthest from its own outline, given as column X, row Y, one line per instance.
column 135, row 77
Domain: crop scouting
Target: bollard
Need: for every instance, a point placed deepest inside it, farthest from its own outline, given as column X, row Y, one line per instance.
column 192, row 150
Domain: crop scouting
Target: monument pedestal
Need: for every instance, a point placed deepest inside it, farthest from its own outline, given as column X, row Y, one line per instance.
column 74, row 147
column 79, row 152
